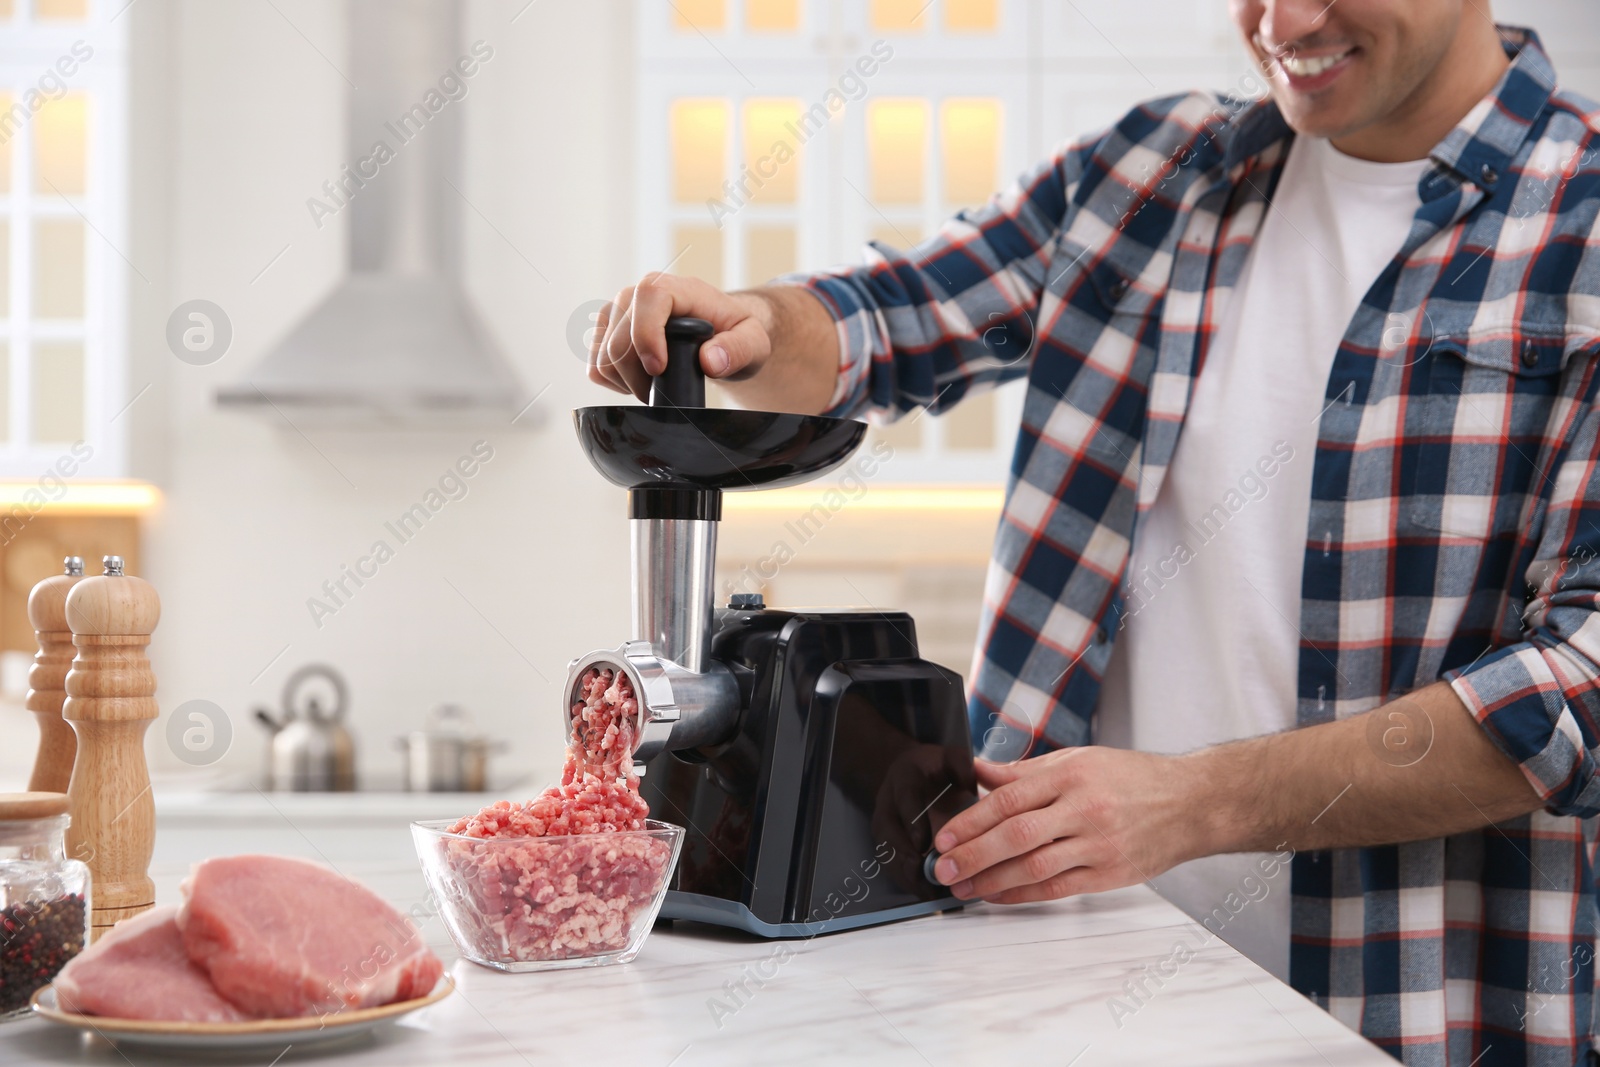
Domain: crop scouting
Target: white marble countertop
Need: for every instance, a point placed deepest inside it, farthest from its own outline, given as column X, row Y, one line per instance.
column 984, row 985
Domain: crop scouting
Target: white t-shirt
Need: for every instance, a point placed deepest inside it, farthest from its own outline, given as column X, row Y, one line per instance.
column 1210, row 648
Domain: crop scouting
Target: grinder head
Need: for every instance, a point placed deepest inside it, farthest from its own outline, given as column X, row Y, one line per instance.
column 676, row 708
column 678, row 442
column 676, row 456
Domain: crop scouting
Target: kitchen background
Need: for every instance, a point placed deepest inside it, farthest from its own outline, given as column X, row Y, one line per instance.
column 193, row 150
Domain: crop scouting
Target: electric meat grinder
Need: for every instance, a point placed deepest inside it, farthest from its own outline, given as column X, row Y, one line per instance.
column 810, row 755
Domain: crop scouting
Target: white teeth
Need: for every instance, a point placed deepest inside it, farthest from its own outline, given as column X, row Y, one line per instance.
column 1309, row 67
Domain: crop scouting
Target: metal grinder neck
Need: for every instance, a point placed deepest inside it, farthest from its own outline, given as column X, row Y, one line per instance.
column 674, row 555
column 686, row 699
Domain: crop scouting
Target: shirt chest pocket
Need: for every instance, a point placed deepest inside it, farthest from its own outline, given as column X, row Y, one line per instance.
column 1122, row 300
column 1126, row 318
column 1100, row 287
column 1477, row 423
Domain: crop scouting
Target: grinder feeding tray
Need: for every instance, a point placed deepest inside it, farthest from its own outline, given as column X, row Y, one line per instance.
column 810, row 755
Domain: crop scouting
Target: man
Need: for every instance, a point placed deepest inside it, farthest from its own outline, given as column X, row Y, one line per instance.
column 1359, row 589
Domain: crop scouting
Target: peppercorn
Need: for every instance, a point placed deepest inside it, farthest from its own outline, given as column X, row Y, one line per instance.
column 37, row 938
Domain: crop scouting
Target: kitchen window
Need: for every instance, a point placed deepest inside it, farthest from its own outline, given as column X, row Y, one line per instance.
column 63, row 273
column 788, row 133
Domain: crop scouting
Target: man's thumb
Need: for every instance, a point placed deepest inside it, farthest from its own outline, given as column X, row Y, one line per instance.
column 739, row 348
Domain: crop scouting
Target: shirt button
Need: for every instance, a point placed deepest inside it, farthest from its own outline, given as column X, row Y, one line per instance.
column 1530, row 354
column 1101, row 636
column 1119, row 289
column 1489, row 175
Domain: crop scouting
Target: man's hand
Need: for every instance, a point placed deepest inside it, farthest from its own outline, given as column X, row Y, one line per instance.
column 1089, row 819
column 631, row 345
column 1080, row 820
column 775, row 348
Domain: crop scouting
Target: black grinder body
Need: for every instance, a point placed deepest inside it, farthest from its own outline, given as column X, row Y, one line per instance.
column 819, row 813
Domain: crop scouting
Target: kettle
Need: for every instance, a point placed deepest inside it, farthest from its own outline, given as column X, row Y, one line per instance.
column 311, row 750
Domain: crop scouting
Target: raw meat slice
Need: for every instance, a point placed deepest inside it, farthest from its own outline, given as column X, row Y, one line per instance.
column 285, row 937
column 140, row 970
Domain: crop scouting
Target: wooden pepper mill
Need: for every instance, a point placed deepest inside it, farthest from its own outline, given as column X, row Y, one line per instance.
column 47, row 611
column 110, row 702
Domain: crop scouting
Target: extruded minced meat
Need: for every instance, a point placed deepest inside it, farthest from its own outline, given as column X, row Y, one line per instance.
column 598, row 789
column 603, row 725
column 558, row 883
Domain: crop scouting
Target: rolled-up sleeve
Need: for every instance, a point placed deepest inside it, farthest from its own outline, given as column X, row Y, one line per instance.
column 1539, row 700
column 924, row 327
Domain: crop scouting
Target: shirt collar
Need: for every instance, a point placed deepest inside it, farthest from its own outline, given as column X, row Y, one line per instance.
column 1484, row 143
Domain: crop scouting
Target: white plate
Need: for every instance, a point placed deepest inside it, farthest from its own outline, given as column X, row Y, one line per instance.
column 262, row 1034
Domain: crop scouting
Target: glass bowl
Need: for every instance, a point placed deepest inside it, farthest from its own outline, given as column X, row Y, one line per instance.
column 543, row 903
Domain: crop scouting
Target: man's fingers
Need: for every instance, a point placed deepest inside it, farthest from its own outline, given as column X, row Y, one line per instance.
column 994, row 775
column 1026, row 793
column 621, row 358
column 597, row 336
column 638, row 382
column 1068, row 883
column 1031, row 868
column 614, row 343
column 598, row 361
column 654, row 301
column 1037, row 823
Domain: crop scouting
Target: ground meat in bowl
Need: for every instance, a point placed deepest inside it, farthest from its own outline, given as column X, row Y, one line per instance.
column 590, row 805
column 525, row 899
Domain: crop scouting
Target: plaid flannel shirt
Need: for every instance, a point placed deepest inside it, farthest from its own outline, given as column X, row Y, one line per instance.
column 1455, row 515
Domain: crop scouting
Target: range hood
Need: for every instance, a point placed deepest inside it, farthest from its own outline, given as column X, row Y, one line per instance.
column 398, row 343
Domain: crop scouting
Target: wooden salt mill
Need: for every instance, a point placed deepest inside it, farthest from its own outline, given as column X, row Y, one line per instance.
column 110, row 702
column 47, row 611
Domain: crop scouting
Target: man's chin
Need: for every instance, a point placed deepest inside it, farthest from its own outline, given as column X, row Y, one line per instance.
column 1318, row 118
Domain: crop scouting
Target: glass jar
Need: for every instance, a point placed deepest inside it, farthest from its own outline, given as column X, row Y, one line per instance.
column 44, row 897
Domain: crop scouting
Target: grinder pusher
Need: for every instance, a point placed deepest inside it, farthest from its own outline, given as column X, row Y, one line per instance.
column 810, row 755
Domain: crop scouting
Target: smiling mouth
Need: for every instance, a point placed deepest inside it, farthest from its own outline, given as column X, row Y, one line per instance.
column 1311, row 66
